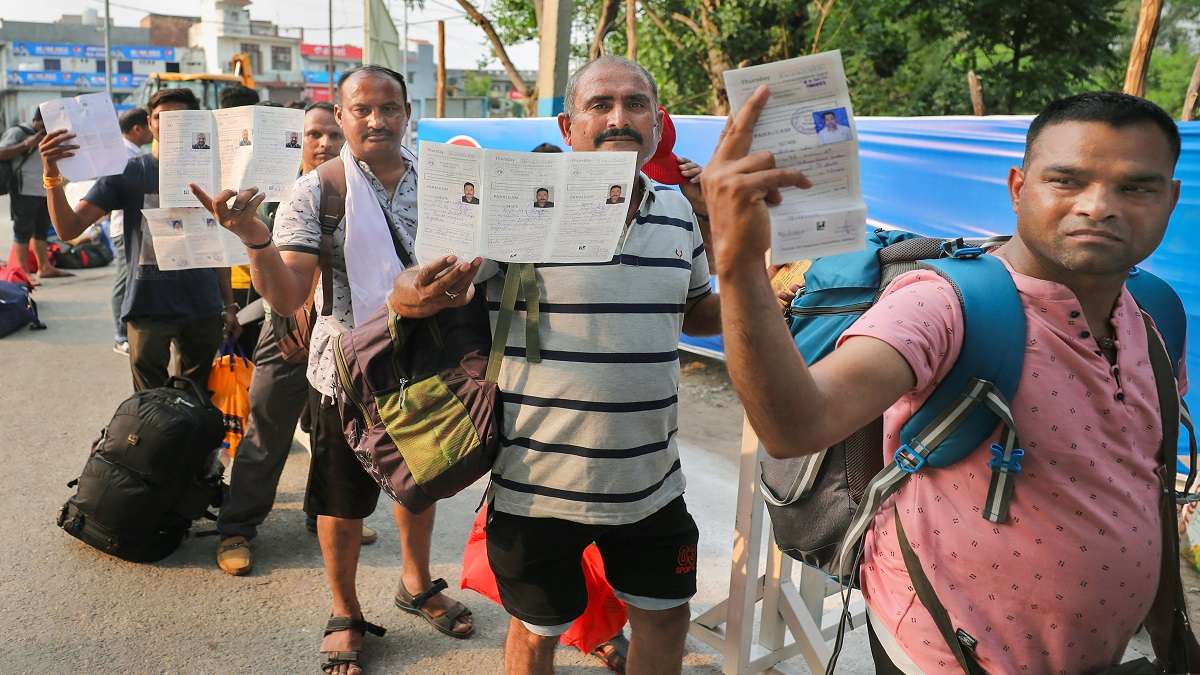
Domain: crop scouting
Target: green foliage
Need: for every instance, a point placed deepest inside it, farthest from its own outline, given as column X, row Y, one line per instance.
column 902, row 57
column 1167, row 79
column 476, row 84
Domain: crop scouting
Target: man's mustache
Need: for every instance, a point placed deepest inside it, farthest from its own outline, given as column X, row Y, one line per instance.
column 378, row 133
column 624, row 134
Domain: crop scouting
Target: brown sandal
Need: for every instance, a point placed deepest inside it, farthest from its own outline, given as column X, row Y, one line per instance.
column 445, row 623
column 340, row 623
column 612, row 653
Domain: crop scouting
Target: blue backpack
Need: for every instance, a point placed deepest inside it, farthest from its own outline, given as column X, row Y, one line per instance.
column 821, row 505
column 17, row 309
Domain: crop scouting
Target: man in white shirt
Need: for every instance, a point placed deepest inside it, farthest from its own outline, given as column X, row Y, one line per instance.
column 831, row 132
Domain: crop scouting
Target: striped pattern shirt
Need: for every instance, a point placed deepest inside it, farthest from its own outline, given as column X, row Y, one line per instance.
column 589, row 432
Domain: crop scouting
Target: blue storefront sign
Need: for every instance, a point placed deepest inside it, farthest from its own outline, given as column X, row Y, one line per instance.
column 80, row 51
column 61, row 79
column 319, row 77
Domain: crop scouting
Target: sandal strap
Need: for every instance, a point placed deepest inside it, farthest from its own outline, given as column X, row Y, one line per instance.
column 451, row 617
column 338, row 658
column 421, row 598
column 340, row 623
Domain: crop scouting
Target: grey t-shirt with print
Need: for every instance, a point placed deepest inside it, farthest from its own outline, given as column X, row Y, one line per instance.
column 297, row 228
column 29, row 166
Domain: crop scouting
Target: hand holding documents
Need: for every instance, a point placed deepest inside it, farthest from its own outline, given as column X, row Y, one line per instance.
column 93, row 121
column 235, row 149
column 186, row 238
column 808, row 124
column 521, row 206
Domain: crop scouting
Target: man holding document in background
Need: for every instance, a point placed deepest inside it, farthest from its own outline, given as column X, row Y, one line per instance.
column 193, row 308
column 368, row 244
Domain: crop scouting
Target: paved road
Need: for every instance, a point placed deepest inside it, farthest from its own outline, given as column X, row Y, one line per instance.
column 70, row 609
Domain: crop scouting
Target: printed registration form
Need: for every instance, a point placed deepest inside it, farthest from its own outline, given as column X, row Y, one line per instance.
column 188, row 238
column 808, row 124
column 521, row 207
column 93, row 120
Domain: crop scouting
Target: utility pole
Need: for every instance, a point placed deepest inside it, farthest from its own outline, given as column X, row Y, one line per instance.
column 330, row 46
column 631, row 29
column 1143, row 46
column 107, row 52
column 404, row 50
column 554, row 49
column 441, row 69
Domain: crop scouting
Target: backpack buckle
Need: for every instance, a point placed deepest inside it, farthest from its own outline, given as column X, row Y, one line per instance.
column 1011, row 465
column 909, row 460
column 959, row 250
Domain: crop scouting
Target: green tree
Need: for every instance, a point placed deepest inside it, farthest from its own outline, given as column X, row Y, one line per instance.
column 476, row 84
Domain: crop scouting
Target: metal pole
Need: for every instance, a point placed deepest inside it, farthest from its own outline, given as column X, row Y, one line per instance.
column 107, row 52
column 441, row 69
column 404, row 51
column 331, row 99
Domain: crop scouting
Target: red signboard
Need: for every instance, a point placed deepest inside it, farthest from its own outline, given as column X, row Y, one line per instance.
column 349, row 52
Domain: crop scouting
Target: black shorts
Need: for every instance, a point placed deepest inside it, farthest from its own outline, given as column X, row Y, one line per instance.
column 537, row 562
column 338, row 485
column 31, row 218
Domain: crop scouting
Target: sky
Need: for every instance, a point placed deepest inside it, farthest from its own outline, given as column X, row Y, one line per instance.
column 465, row 43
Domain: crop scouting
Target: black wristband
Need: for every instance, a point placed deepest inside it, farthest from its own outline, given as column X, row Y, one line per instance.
column 259, row 247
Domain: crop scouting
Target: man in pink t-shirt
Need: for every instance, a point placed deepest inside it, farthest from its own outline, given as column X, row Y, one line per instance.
column 1066, row 581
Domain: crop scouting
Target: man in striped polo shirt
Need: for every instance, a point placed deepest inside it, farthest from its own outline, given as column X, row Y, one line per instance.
column 589, row 450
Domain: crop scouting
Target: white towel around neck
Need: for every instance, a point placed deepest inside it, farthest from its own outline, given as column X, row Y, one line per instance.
column 371, row 262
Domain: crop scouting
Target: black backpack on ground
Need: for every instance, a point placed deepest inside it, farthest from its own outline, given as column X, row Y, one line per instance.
column 87, row 255
column 153, row 471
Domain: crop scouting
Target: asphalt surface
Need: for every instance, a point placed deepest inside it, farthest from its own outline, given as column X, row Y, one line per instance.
column 70, row 609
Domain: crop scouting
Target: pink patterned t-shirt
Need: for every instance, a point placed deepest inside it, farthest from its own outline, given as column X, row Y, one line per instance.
column 1063, row 585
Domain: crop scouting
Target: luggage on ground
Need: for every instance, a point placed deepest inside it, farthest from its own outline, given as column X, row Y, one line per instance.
column 17, row 308
column 87, row 255
column 152, row 471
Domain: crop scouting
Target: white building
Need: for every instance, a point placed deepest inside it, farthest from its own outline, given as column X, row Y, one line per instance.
column 225, row 28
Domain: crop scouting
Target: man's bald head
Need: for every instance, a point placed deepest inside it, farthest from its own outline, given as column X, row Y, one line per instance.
column 605, row 62
column 372, row 71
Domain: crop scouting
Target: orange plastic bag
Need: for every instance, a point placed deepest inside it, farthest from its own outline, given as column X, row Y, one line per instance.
column 601, row 619
column 229, row 382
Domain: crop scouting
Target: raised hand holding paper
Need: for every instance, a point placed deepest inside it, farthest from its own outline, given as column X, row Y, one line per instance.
column 808, row 124
column 235, row 148
column 93, row 120
column 521, row 206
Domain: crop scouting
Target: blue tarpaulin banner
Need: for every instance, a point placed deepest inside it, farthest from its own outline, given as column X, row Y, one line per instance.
column 937, row 176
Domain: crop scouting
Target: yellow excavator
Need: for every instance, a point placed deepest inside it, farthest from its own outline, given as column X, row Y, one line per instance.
column 206, row 86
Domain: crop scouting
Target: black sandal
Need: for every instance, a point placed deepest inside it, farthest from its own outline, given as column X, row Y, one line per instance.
column 340, row 623
column 444, row 623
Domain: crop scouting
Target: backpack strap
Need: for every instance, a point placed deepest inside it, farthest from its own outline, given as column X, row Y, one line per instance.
column 967, row 404
column 1158, row 298
column 332, row 175
column 960, row 643
column 519, row 279
column 1167, row 623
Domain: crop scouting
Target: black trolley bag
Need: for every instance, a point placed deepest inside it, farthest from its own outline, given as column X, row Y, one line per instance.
column 153, row 470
